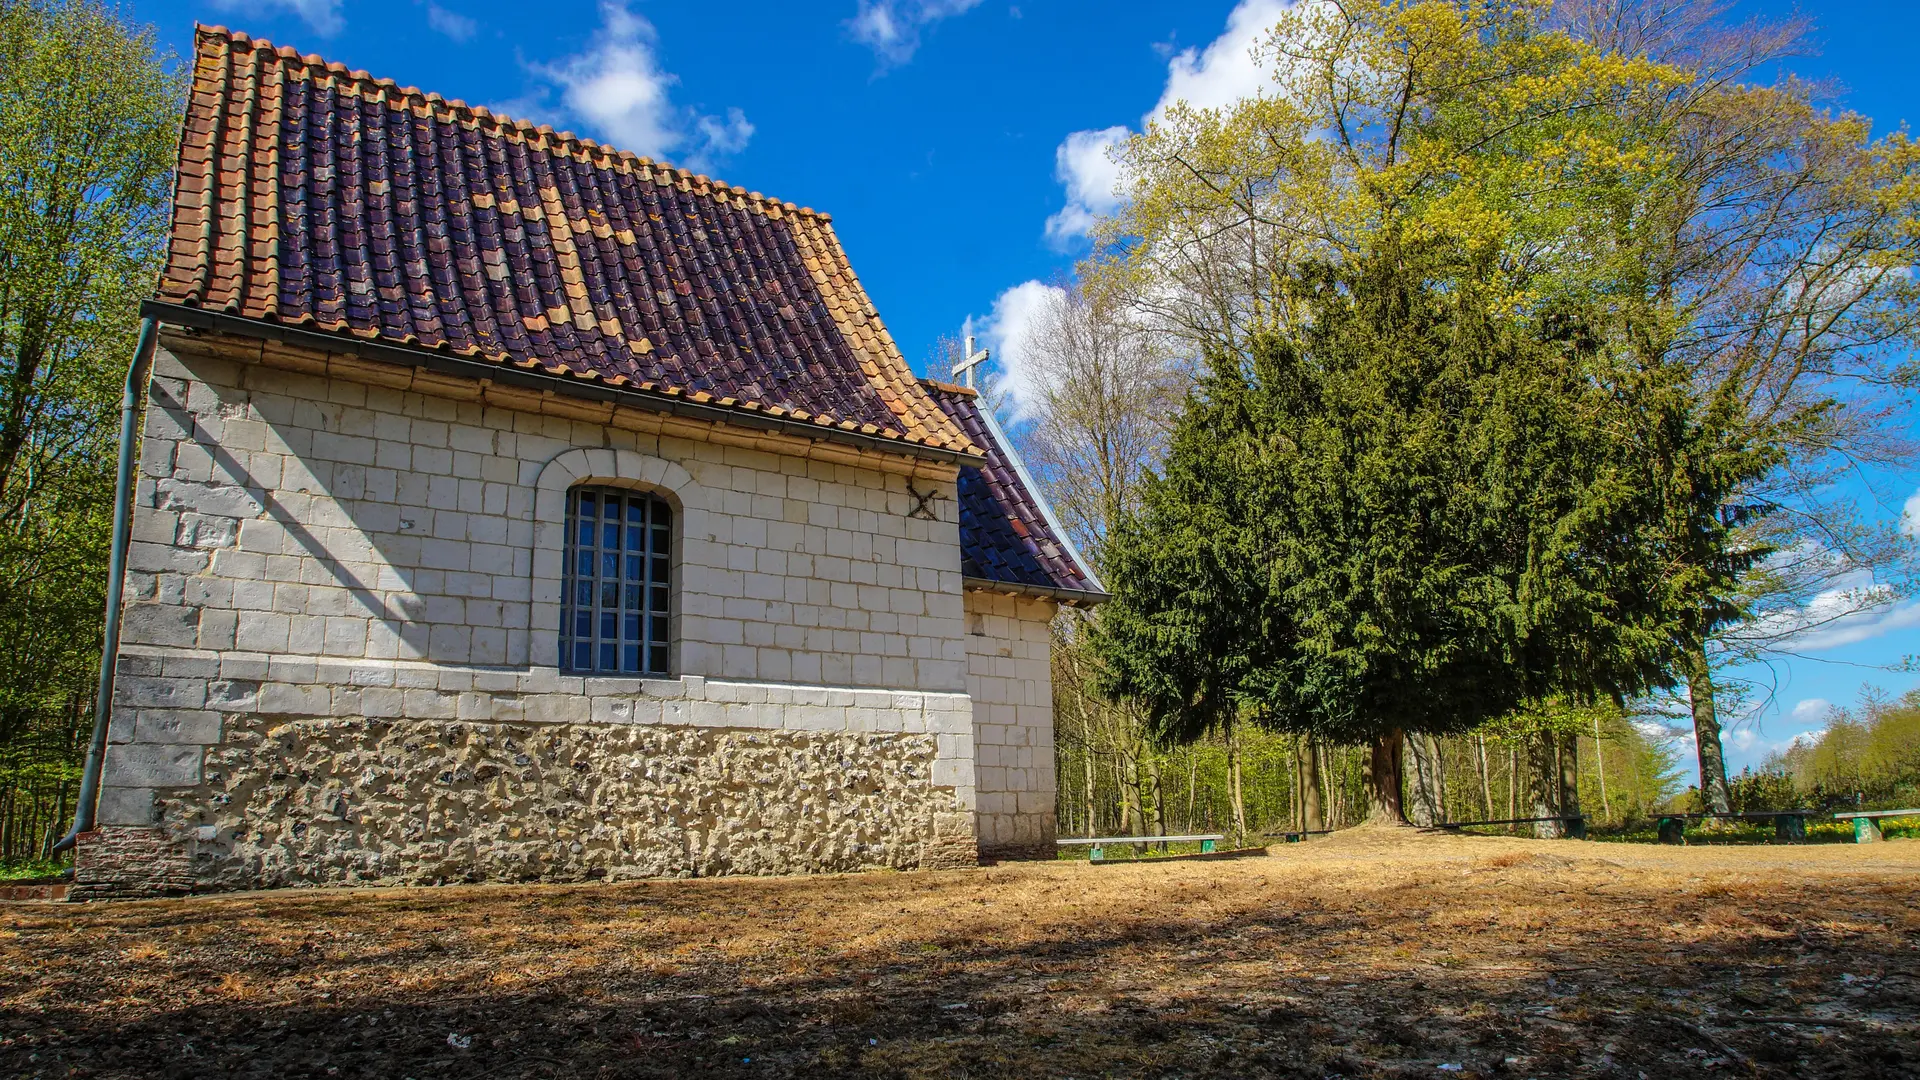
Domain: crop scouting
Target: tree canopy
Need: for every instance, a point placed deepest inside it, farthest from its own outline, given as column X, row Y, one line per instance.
column 89, row 111
column 1723, row 270
column 1411, row 514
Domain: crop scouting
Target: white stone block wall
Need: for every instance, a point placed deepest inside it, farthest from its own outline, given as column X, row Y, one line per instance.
column 1009, row 678
column 318, row 516
column 306, row 545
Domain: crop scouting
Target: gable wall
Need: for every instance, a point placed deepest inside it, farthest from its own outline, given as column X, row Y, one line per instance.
column 335, row 573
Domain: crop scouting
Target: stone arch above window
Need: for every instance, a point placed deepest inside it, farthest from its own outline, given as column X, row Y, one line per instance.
column 615, row 468
column 593, row 470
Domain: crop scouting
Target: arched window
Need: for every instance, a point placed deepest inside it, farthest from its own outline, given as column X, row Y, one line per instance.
column 615, row 615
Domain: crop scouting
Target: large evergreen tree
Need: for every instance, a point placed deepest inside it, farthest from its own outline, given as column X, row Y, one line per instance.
column 1412, row 514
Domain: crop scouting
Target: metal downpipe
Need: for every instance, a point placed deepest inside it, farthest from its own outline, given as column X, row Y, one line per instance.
column 83, row 811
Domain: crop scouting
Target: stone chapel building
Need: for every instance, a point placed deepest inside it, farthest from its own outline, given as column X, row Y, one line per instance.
column 511, row 507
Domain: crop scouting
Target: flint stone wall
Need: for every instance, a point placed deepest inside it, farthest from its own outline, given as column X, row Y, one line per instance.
column 341, row 802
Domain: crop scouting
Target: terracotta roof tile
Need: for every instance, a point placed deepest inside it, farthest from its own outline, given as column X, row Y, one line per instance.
column 312, row 196
column 1006, row 535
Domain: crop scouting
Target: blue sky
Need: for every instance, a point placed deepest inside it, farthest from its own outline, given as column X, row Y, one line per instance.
column 957, row 144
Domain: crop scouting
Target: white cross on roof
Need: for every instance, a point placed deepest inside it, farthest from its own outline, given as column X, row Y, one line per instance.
column 972, row 360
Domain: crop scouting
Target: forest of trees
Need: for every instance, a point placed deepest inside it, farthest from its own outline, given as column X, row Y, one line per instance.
column 89, row 111
column 1488, row 380
column 1867, row 757
column 1114, row 782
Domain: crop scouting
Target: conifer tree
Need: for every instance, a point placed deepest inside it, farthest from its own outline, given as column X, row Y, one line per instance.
column 1413, row 514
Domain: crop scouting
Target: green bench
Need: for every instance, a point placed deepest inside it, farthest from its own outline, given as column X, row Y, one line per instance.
column 1576, row 824
column 1866, row 823
column 1294, row 837
column 1789, row 826
column 1098, row 844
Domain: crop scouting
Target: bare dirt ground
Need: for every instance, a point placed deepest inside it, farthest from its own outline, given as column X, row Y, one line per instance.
column 1369, row 953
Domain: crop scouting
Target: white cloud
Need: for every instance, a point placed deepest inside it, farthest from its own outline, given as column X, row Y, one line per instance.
column 1008, row 332
column 1853, row 629
column 1855, row 609
column 322, row 15
column 1225, row 71
column 891, row 28
column 618, row 91
column 1910, row 515
column 1092, row 179
column 451, row 23
column 1219, row 75
column 1812, row 710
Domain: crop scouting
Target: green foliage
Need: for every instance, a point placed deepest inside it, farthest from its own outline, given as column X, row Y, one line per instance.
column 1866, row 758
column 1763, row 790
column 1411, row 513
column 31, row 870
column 1741, row 257
column 88, row 116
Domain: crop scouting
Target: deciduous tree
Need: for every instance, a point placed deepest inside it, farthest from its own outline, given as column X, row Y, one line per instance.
column 89, row 111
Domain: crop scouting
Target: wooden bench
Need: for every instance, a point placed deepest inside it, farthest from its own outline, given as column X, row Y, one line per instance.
column 1576, row 824
column 1866, row 823
column 1099, row 843
column 1788, row 825
column 1295, row 837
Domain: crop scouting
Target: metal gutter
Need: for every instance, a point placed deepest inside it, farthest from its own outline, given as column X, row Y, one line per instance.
column 448, row 364
column 1087, row 597
column 130, row 397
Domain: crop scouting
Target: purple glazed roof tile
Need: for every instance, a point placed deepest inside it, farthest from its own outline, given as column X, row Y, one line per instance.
column 311, row 196
column 1006, row 536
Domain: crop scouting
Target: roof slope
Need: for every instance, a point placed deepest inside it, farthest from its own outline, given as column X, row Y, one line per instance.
column 315, row 197
column 1007, row 535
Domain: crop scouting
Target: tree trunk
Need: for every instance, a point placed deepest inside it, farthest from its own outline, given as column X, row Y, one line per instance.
column 1486, row 785
column 1193, row 785
column 1296, row 798
column 1333, row 790
column 1157, row 819
column 1544, row 782
column 1233, row 783
column 1706, row 732
column 1600, row 769
column 1383, row 779
column 1136, row 812
column 1092, row 824
column 1513, row 781
column 1569, row 778
column 1426, row 799
column 1312, row 811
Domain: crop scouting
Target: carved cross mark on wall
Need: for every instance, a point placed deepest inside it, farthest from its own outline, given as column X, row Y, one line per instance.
column 923, row 503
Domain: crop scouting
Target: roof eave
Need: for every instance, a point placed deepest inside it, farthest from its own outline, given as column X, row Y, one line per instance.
column 221, row 322
column 1073, row 597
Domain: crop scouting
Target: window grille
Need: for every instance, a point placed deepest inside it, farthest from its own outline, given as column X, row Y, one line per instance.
column 615, row 612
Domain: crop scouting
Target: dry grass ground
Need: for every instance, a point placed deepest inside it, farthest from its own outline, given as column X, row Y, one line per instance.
column 1370, row 953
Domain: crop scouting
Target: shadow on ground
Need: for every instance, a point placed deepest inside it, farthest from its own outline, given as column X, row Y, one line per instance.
column 1372, row 956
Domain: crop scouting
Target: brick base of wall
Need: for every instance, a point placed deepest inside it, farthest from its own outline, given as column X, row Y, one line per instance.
column 953, row 844
column 29, row 894
column 129, row 862
column 1019, row 852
